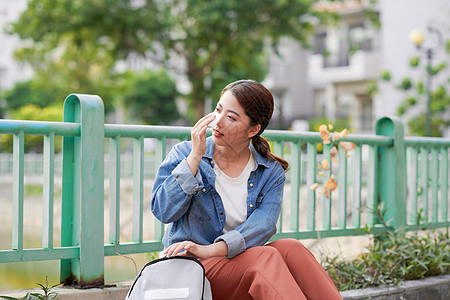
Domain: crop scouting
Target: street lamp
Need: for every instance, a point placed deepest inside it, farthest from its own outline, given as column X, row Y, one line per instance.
column 417, row 38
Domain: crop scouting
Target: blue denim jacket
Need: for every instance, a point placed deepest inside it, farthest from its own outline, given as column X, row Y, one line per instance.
column 195, row 211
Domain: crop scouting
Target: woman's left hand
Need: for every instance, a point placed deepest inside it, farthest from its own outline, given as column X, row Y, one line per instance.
column 191, row 249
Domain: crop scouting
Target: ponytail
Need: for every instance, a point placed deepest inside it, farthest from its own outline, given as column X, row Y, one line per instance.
column 262, row 146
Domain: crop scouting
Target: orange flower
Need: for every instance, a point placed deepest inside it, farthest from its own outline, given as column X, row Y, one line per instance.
column 325, row 135
column 343, row 133
column 336, row 136
column 334, row 152
column 347, row 146
column 314, row 186
column 331, row 184
column 325, row 165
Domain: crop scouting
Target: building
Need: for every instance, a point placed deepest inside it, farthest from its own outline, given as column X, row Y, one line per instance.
column 336, row 80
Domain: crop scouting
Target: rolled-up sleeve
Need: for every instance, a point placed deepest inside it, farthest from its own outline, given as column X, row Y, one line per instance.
column 189, row 183
column 174, row 187
column 235, row 242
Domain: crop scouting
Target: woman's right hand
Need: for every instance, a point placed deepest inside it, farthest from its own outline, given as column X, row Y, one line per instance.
column 198, row 138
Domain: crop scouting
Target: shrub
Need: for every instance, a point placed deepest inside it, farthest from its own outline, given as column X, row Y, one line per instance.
column 393, row 257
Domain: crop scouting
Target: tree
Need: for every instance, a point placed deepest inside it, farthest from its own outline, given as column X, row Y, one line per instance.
column 206, row 35
column 151, row 97
column 71, row 68
column 416, row 93
column 29, row 92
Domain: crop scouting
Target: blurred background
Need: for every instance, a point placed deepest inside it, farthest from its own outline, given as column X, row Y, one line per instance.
column 164, row 62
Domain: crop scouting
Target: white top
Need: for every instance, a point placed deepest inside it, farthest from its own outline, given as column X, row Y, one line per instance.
column 234, row 192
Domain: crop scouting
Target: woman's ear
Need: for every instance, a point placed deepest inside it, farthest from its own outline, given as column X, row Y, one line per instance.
column 254, row 130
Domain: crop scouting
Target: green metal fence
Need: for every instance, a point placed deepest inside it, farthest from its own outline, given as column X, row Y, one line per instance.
column 406, row 174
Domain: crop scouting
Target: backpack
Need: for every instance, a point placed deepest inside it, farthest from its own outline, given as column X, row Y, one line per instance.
column 177, row 277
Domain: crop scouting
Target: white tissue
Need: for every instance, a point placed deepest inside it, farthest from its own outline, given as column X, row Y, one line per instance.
column 216, row 119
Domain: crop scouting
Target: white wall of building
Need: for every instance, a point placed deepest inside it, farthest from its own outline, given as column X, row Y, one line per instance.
column 288, row 82
column 398, row 18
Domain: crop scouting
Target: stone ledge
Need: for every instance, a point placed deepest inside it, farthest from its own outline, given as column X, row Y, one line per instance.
column 432, row 288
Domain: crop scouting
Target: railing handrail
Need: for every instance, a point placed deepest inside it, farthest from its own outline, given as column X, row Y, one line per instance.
column 427, row 141
column 11, row 126
column 39, row 127
column 180, row 132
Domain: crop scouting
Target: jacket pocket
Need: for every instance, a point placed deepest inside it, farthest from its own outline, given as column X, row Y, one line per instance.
column 201, row 206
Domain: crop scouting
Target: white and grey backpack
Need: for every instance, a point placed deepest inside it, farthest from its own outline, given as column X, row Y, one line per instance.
column 171, row 278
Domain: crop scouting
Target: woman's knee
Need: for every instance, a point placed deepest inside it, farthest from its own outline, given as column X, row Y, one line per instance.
column 287, row 244
column 259, row 258
column 263, row 253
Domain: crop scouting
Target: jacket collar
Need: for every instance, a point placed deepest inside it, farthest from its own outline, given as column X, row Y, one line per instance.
column 260, row 160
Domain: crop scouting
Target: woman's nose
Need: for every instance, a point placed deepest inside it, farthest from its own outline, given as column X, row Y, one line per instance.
column 219, row 117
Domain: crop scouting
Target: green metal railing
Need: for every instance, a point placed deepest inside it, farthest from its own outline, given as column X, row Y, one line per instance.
column 406, row 174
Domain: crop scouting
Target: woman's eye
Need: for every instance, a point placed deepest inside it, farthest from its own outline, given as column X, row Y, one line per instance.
column 230, row 117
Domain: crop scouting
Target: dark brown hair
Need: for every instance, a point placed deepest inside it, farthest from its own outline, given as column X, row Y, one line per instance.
column 257, row 102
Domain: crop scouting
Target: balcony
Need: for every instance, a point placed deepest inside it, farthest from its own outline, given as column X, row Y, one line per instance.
column 361, row 66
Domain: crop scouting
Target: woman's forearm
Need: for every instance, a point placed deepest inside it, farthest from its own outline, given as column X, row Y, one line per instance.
column 218, row 249
column 193, row 163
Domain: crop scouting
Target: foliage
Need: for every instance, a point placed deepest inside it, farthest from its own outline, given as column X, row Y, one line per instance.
column 391, row 258
column 151, row 97
column 385, row 75
column 72, row 67
column 31, row 92
column 338, row 124
column 151, row 256
column 33, row 112
column 228, row 37
column 371, row 13
column 372, row 88
column 416, row 93
column 48, row 293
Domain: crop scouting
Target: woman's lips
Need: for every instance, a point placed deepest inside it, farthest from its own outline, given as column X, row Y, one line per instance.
column 217, row 133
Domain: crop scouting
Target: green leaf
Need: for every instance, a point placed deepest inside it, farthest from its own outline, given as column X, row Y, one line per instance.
column 411, row 101
column 385, row 75
column 421, row 88
column 414, row 61
column 405, row 84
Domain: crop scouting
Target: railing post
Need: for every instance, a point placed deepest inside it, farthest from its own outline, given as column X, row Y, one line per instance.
column 83, row 194
column 392, row 171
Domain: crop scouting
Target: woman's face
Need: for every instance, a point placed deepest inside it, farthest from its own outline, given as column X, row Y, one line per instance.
column 233, row 128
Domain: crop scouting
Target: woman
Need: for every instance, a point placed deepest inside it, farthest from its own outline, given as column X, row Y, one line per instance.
column 222, row 197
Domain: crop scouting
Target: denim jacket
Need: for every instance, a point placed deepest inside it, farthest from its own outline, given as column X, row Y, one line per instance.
column 195, row 210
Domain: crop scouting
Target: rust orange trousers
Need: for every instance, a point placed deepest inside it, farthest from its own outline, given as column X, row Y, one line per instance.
column 283, row 269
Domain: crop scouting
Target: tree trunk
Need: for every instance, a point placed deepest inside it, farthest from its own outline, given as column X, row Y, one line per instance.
column 198, row 93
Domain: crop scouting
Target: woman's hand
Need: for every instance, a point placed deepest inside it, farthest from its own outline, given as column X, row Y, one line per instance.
column 191, row 249
column 198, row 138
